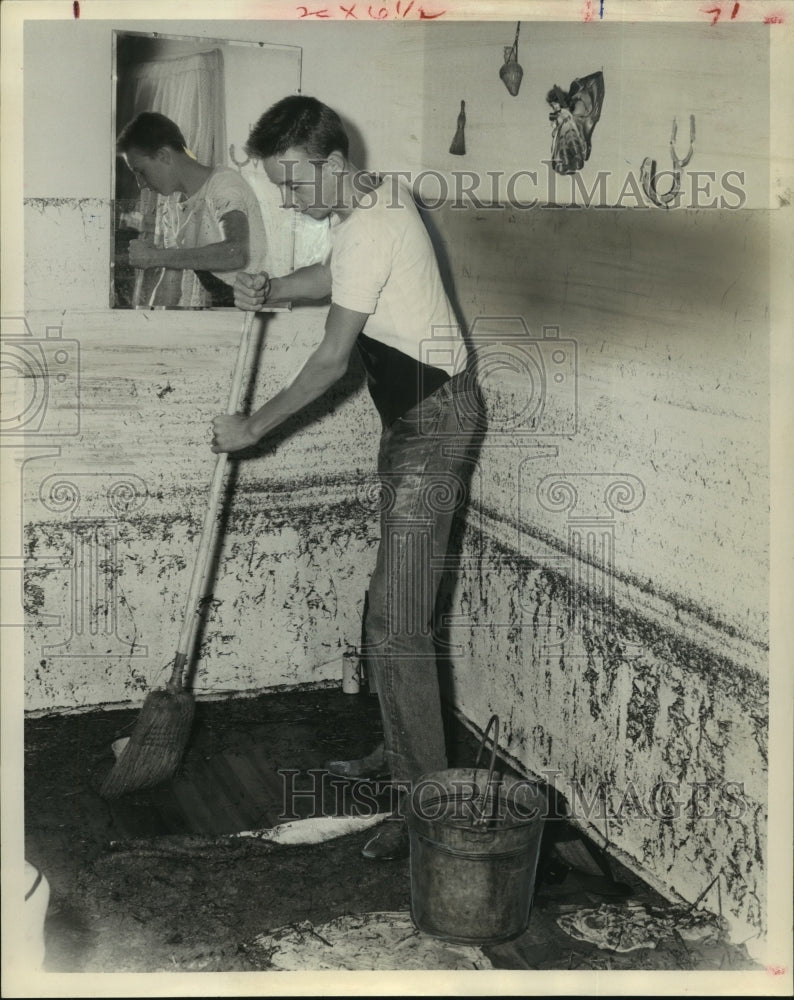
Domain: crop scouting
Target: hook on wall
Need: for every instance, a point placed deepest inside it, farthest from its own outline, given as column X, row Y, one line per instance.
column 649, row 176
column 238, row 163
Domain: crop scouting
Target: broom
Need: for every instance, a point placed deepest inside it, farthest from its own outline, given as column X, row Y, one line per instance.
column 159, row 737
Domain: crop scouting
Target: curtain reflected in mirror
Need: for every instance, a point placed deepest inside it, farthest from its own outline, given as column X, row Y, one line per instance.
column 183, row 183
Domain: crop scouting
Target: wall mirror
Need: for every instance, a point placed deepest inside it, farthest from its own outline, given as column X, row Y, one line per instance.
column 214, row 90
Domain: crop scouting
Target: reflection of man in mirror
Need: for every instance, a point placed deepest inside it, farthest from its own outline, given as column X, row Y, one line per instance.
column 209, row 220
column 388, row 301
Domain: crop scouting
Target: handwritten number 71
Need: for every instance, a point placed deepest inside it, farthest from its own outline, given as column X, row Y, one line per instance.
column 717, row 12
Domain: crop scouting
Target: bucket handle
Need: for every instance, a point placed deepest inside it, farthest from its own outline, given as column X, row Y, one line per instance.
column 479, row 818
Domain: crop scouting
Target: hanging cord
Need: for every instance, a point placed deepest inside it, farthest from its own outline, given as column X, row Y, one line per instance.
column 514, row 48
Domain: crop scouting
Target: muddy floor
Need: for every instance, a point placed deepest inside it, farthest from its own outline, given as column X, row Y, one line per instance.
column 118, row 906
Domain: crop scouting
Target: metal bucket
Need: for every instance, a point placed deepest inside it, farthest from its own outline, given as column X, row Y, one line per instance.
column 475, row 840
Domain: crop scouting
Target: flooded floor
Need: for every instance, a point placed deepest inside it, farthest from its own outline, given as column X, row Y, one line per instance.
column 123, row 899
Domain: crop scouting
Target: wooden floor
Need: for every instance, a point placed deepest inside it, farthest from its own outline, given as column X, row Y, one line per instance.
column 225, row 793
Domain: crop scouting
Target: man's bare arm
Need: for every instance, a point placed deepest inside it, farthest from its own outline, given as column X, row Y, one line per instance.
column 231, row 254
column 312, row 283
column 326, row 365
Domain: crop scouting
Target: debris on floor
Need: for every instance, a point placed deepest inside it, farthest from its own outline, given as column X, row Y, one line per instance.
column 631, row 925
column 374, row 942
column 180, row 891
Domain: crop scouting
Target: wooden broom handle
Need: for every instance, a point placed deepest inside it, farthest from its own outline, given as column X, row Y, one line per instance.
column 197, row 583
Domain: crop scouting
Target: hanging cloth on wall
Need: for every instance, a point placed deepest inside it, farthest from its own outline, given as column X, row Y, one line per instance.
column 574, row 114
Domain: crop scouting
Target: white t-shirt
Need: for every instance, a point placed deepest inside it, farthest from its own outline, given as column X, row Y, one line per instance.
column 383, row 263
column 196, row 221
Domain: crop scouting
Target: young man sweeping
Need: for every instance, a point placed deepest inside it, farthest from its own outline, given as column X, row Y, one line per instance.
column 387, row 300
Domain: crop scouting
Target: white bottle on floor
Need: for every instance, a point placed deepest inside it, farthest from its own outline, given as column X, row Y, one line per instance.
column 37, row 897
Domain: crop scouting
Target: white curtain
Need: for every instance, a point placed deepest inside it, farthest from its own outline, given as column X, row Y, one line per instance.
column 189, row 91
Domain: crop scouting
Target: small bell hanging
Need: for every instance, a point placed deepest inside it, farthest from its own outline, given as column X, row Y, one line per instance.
column 510, row 72
column 458, row 146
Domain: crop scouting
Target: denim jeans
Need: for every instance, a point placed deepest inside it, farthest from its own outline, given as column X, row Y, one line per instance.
column 424, row 465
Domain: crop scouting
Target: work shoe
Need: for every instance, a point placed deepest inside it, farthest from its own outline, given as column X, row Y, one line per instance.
column 364, row 768
column 390, row 843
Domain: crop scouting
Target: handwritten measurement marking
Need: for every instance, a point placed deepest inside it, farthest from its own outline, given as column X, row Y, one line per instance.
column 373, row 12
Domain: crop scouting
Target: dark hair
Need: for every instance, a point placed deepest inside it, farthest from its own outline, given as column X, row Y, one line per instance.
column 150, row 131
column 558, row 96
column 299, row 122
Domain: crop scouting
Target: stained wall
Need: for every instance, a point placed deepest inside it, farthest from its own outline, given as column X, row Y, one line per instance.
column 612, row 600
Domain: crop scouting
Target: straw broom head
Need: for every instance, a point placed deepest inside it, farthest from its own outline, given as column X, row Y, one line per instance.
column 156, row 745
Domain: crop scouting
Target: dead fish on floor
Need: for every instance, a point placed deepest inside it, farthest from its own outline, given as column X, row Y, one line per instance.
column 315, row 830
